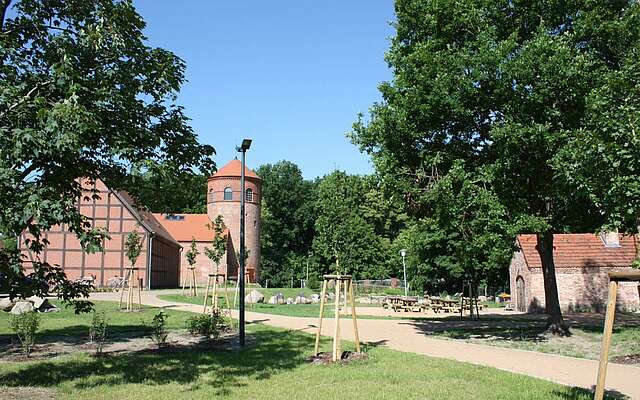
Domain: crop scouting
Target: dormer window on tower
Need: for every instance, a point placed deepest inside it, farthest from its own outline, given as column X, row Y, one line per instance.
column 228, row 194
column 248, row 195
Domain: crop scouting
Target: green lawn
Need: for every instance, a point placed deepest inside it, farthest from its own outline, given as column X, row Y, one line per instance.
column 273, row 366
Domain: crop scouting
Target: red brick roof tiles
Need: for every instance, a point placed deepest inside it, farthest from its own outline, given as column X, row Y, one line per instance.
column 580, row 250
column 187, row 227
column 233, row 169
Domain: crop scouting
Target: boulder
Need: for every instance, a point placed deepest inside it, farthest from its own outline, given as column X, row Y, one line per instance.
column 300, row 299
column 254, row 297
column 39, row 303
column 315, row 298
column 22, row 307
column 6, row 304
column 51, row 308
column 289, row 300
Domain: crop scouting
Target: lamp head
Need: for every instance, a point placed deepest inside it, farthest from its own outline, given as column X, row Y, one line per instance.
column 246, row 143
column 403, row 252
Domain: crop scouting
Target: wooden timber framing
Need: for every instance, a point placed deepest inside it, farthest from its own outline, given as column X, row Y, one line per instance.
column 347, row 282
column 114, row 211
column 614, row 280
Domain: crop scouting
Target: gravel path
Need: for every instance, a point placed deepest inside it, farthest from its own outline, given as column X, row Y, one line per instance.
column 407, row 335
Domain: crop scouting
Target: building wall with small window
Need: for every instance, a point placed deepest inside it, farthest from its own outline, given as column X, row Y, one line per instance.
column 224, row 194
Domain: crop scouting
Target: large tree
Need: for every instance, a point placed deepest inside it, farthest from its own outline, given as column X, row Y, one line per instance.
column 504, row 85
column 468, row 237
column 345, row 241
column 81, row 96
column 288, row 215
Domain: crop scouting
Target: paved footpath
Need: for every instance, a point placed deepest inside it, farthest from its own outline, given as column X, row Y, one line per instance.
column 406, row 335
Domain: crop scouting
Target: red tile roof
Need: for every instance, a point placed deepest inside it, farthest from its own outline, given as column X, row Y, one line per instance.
column 234, row 168
column 146, row 218
column 580, row 250
column 187, row 226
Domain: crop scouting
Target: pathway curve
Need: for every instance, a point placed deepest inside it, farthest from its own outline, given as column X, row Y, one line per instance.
column 407, row 335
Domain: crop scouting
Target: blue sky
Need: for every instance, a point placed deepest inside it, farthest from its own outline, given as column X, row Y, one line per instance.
column 292, row 75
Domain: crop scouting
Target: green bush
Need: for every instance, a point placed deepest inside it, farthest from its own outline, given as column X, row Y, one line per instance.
column 98, row 330
column 158, row 329
column 209, row 325
column 26, row 325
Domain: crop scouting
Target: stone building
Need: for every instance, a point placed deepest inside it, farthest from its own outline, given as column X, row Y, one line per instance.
column 582, row 262
column 167, row 238
column 159, row 260
column 223, row 198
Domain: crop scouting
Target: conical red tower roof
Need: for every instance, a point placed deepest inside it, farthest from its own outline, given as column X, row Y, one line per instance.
column 233, row 169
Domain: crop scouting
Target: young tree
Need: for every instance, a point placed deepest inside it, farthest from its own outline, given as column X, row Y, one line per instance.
column 83, row 97
column 219, row 243
column 503, row 85
column 192, row 253
column 133, row 247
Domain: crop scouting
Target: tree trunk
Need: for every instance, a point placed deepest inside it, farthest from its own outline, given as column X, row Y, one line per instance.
column 555, row 322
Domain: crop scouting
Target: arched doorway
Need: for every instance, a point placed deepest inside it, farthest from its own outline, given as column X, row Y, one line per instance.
column 521, row 304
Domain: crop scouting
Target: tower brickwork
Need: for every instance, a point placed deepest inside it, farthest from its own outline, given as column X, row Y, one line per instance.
column 223, row 198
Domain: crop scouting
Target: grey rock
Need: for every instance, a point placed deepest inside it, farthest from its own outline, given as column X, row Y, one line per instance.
column 52, row 308
column 6, row 304
column 39, row 303
column 22, row 307
column 315, row 298
column 300, row 299
column 254, row 297
column 289, row 300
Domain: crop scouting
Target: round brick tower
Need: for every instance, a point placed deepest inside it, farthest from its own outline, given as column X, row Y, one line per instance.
column 223, row 198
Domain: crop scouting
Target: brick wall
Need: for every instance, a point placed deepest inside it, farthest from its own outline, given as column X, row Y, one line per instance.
column 578, row 288
column 230, row 211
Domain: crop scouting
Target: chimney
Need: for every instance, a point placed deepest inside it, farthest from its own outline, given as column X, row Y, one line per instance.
column 610, row 239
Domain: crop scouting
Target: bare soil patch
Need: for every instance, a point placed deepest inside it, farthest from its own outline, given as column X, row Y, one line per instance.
column 27, row 393
column 346, row 358
column 628, row 359
column 117, row 344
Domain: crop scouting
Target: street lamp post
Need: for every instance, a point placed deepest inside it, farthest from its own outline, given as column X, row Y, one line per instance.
column 403, row 253
column 246, row 143
column 306, row 282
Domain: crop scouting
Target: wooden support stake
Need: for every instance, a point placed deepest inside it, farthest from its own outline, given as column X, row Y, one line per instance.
column 123, row 288
column 214, row 301
column 206, row 295
column 353, row 316
column 606, row 339
column 336, row 318
column 323, row 295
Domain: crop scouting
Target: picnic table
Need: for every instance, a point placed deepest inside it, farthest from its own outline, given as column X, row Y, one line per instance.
column 446, row 305
column 402, row 303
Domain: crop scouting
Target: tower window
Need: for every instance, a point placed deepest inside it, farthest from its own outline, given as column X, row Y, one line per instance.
column 211, row 199
column 248, row 195
column 228, row 194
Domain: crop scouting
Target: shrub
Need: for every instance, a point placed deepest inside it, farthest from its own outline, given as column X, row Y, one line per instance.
column 98, row 330
column 26, row 325
column 158, row 329
column 209, row 325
